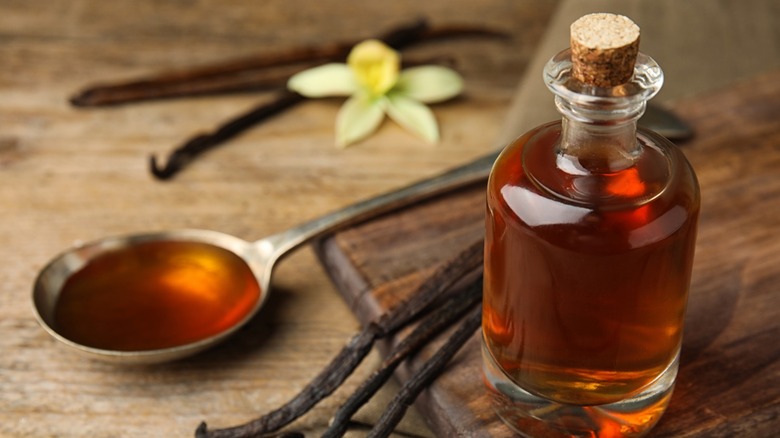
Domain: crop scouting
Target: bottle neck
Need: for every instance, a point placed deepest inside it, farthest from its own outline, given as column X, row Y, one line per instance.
column 598, row 139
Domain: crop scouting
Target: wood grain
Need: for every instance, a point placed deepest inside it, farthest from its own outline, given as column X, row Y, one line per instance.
column 729, row 381
column 69, row 175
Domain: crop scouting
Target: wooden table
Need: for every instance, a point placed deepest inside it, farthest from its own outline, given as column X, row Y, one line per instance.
column 70, row 175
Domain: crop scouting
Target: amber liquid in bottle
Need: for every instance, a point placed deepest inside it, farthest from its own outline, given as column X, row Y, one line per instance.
column 587, row 265
column 155, row 295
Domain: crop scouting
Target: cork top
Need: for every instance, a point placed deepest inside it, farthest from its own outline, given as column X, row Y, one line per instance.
column 604, row 48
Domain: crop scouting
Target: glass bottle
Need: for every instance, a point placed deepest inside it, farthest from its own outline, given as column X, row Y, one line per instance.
column 590, row 234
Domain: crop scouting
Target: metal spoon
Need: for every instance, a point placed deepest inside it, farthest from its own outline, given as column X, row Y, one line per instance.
column 260, row 256
column 666, row 123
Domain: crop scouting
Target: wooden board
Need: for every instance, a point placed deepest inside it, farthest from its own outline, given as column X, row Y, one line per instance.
column 729, row 380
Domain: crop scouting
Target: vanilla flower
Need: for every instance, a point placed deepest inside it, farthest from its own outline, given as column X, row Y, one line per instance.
column 376, row 86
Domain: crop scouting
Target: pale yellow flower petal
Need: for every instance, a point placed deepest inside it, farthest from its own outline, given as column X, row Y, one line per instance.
column 375, row 84
column 358, row 118
column 414, row 116
column 375, row 66
column 324, row 81
column 429, row 84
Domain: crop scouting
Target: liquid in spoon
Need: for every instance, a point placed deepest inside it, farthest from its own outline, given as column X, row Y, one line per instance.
column 155, row 295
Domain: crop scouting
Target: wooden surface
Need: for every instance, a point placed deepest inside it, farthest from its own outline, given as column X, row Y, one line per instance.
column 69, row 175
column 729, row 379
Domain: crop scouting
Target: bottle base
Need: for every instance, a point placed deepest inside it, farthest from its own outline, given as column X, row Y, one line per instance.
column 533, row 417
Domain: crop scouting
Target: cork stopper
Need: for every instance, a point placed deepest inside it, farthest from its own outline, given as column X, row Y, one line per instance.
column 604, row 49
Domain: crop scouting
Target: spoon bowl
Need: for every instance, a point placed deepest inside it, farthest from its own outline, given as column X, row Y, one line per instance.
column 112, row 270
column 52, row 280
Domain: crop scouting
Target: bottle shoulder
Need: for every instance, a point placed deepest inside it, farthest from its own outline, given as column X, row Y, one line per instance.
column 531, row 190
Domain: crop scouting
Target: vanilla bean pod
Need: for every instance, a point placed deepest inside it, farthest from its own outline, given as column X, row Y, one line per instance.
column 446, row 276
column 430, row 327
column 425, row 375
column 165, row 88
column 439, row 283
column 257, row 80
column 182, row 155
column 323, row 385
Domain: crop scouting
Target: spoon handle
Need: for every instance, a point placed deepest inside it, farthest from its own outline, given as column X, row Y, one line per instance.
column 461, row 176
